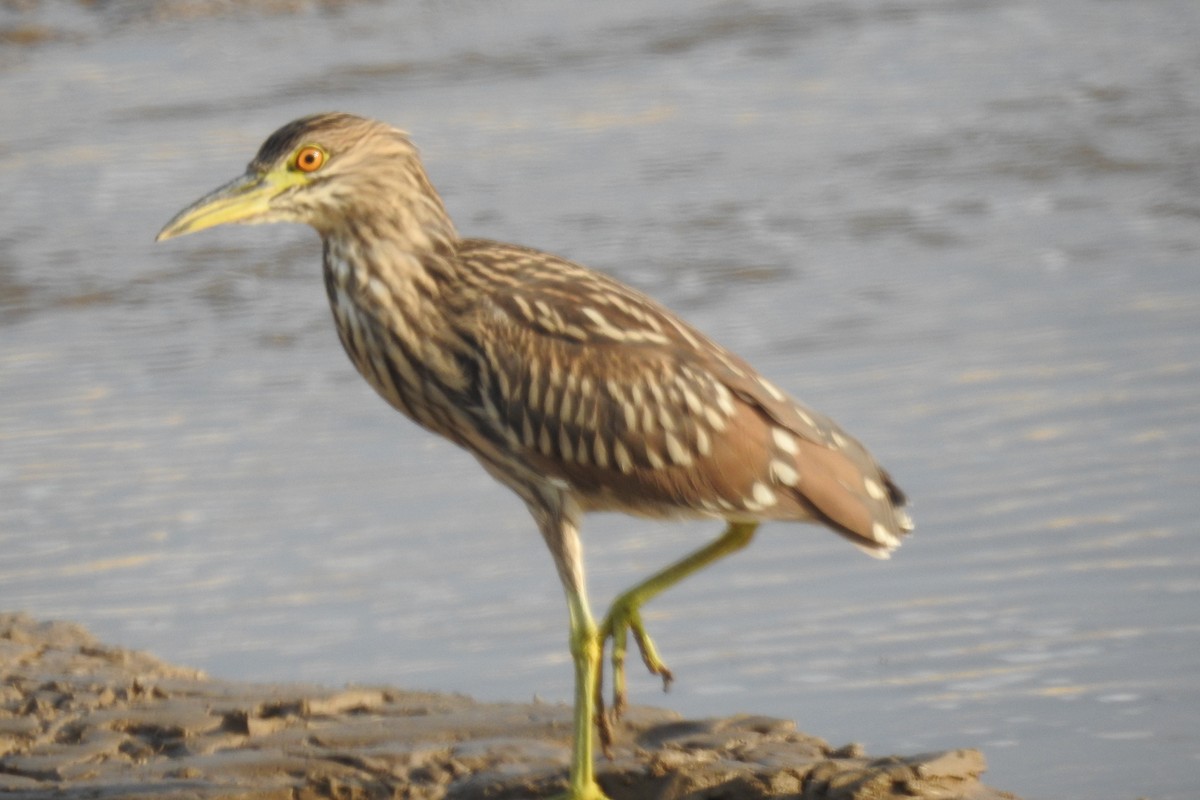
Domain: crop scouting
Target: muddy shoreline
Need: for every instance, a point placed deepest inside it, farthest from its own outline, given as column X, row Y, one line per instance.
column 79, row 718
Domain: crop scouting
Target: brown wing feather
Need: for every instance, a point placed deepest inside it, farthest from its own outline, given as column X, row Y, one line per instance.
column 602, row 388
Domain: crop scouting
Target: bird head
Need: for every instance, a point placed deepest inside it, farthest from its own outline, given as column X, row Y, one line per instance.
column 330, row 171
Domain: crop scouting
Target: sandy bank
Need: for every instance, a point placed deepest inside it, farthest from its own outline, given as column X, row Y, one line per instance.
column 81, row 719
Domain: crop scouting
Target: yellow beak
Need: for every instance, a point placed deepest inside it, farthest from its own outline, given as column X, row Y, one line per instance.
column 245, row 199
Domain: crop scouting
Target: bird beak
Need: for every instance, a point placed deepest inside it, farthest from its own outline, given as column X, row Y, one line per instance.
column 244, row 199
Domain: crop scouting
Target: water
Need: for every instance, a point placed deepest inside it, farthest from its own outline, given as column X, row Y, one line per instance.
column 969, row 231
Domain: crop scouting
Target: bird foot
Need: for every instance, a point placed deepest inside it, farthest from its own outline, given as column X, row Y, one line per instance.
column 589, row 791
column 621, row 619
column 604, row 725
column 606, row 718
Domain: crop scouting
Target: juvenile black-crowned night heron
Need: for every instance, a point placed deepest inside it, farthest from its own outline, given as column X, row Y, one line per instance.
column 570, row 388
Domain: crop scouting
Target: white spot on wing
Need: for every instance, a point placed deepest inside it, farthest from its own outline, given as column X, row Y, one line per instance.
column 565, row 408
column 772, row 389
column 630, row 412
column 874, row 490
column 763, row 495
column 600, row 452
column 648, row 421
column 784, row 473
column 523, row 304
column 654, row 458
column 724, row 400
column 677, row 452
column 881, row 534
column 596, row 317
column 715, row 419
column 784, row 441
column 615, row 390
column 621, row 455
column 874, row 552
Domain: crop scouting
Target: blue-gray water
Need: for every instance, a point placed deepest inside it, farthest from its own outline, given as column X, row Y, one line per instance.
column 970, row 231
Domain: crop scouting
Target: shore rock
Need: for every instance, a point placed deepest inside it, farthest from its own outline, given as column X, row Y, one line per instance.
column 81, row 719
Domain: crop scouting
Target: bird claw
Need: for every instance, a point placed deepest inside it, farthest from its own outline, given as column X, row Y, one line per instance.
column 650, row 656
column 622, row 618
column 604, row 724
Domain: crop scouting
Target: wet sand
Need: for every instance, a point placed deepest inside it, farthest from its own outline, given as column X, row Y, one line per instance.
column 79, row 718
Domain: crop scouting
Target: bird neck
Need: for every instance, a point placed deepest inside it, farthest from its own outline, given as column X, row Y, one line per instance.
column 402, row 264
column 390, row 227
column 390, row 300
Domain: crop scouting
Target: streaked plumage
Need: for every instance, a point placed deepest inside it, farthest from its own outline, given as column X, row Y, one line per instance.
column 574, row 390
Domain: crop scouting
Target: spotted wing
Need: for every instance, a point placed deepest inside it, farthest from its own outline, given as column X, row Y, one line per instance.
column 605, row 390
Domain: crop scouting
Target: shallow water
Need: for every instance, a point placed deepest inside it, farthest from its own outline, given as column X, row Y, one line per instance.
column 969, row 231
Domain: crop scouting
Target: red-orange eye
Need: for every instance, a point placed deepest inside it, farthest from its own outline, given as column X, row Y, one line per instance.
column 310, row 158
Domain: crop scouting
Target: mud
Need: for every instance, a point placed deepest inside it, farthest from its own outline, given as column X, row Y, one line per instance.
column 82, row 719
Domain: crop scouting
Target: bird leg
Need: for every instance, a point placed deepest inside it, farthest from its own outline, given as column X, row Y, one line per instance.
column 562, row 536
column 625, row 615
column 586, row 653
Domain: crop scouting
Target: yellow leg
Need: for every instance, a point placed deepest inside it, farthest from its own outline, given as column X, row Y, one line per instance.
column 624, row 615
column 586, row 652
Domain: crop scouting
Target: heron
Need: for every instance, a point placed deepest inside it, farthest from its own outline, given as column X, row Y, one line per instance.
column 577, row 392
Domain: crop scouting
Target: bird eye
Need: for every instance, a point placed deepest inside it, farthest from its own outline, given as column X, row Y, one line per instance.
column 310, row 158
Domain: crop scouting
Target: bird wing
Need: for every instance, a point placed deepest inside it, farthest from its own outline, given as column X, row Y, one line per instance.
column 601, row 387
